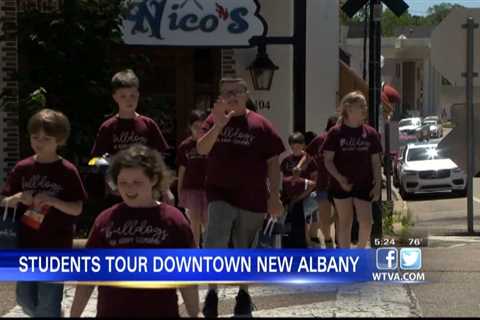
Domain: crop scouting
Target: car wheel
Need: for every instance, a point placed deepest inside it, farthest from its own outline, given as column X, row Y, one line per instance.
column 396, row 184
column 404, row 194
column 462, row 193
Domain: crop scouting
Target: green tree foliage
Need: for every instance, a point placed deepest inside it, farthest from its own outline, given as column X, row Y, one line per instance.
column 390, row 21
column 68, row 53
column 438, row 12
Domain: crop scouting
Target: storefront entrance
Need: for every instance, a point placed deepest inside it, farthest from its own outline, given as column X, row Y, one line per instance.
column 173, row 81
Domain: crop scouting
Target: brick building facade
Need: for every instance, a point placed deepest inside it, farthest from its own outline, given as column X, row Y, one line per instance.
column 187, row 77
column 9, row 94
column 9, row 134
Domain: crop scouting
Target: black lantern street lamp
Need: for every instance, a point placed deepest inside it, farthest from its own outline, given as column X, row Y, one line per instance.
column 262, row 70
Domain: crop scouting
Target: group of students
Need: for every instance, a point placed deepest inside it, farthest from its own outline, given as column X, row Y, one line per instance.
column 229, row 180
column 340, row 169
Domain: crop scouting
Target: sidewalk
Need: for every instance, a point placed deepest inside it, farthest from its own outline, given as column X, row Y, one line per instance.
column 365, row 300
column 451, row 266
column 452, row 272
column 361, row 300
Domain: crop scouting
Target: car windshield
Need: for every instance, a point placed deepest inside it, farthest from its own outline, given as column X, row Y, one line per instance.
column 422, row 154
column 430, row 122
column 406, row 122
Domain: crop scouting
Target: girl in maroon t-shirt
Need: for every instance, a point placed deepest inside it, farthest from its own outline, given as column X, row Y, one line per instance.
column 352, row 157
column 140, row 175
column 192, row 169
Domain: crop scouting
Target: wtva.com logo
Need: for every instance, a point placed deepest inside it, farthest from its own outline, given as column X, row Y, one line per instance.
column 390, row 259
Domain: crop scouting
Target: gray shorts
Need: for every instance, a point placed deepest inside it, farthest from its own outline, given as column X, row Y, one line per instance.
column 226, row 221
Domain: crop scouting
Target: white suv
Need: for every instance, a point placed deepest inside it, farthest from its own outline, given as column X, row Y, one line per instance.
column 409, row 126
column 422, row 168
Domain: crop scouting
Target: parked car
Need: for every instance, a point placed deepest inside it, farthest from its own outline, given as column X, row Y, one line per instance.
column 409, row 126
column 396, row 165
column 423, row 133
column 434, row 127
column 407, row 130
column 436, row 118
column 422, row 168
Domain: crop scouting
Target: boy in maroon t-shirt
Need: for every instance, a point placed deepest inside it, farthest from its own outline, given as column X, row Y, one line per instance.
column 140, row 221
column 49, row 193
column 314, row 154
column 126, row 128
column 192, row 168
column 243, row 150
column 352, row 157
column 295, row 193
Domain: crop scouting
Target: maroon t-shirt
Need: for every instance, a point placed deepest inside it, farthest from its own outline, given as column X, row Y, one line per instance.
column 195, row 165
column 294, row 186
column 314, row 149
column 353, row 149
column 121, row 226
column 59, row 179
column 237, row 169
column 116, row 134
column 291, row 162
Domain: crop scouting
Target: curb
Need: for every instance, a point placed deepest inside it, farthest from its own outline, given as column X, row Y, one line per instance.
column 398, row 203
column 396, row 194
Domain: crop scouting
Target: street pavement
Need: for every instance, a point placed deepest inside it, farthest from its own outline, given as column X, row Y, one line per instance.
column 364, row 300
column 451, row 262
column 442, row 214
column 452, row 258
column 452, row 271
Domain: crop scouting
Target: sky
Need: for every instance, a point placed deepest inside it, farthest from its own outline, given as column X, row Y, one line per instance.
column 420, row 7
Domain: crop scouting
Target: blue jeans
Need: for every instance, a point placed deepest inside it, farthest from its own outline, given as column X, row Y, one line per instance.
column 310, row 208
column 40, row 299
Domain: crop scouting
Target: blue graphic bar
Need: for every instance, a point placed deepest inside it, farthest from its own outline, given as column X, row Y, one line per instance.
column 190, row 265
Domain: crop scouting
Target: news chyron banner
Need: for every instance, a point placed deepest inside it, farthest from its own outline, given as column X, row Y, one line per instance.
column 200, row 266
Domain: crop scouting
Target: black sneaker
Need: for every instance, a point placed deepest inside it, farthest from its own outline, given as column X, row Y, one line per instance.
column 315, row 242
column 210, row 306
column 244, row 305
column 329, row 244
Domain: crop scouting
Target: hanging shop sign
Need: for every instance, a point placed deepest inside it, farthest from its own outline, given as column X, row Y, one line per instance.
column 193, row 22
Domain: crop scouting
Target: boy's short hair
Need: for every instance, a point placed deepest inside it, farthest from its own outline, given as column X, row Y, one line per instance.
column 125, row 79
column 240, row 81
column 53, row 123
column 197, row 115
column 309, row 136
column 296, row 138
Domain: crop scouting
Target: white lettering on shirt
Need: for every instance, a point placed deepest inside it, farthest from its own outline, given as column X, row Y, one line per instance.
column 41, row 183
column 354, row 144
column 235, row 136
column 135, row 231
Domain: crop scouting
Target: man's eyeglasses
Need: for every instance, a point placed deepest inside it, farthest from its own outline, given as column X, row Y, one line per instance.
column 232, row 93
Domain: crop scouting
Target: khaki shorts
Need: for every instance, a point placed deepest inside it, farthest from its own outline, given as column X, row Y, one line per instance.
column 226, row 221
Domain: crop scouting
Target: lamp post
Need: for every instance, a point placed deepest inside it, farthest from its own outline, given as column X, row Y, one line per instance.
column 262, row 70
